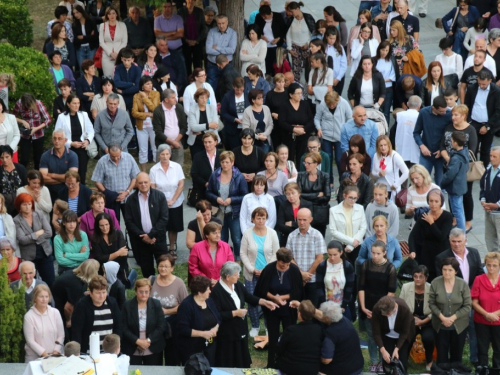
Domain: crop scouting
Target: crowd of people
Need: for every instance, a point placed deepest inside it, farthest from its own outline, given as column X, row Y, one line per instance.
column 263, row 142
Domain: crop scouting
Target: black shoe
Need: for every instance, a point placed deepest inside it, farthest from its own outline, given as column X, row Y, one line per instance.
column 132, row 145
column 461, row 367
column 422, row 15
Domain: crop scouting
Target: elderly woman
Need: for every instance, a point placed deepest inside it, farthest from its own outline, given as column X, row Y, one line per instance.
column 485, row 294
column 416, row 296
column 226, row 189
column 450, row 303
column 259, row 197
column 59, row 42
column 315, row 186
column 97, row 205
column 170, row 291
column 71, row 245
column 75, row 193
column 198, row 322
column 393, row 329
column 145, row 101
column 233, row 105
column 38, row 191
column 168, row 177
column 420, row 184
column 195, row 227
column 7, row 251
column 257, row 117
column 208, row 256
column 202, row 118
column 275, row 178
column 248, row 158
column 33, row 235
column 253, row 51
column 43, row 327
column 356, row 177
column 143, row 326
column 198, row 81
column 99, row 102
column 116, row 289
column 7, row 227
column 202, row 167
column 11, row 135
column 429, row 235
column 258, row 248
column 113, row 37
column 12, row 177
column 230, row 296
column 281, row 282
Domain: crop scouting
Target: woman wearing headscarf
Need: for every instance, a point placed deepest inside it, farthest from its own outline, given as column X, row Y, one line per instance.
column 116, row 289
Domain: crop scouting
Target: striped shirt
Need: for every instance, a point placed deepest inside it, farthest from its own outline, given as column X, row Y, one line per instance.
column 305, row 248
column 34, row 118
column 103, row 321
column 73, row 204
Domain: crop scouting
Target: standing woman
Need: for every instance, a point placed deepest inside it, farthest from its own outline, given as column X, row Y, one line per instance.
column 320, row 79
column 97, row 203
column 450, row 303
column 12, row 177
column 253, row 50
column 274, row 100
column 75, row 193
column 86, row 38
column 258, row 198
column 385, row 65
column 364, row 45
column 161, row 78
column 204, row 216
column 388, row 167
column 257, row 117
column 13, row 262
column 275, row 178
column 99, row 102
column 433, row 85
column 145, row 101
column 273, row 33
column 367, row 87
column 97, row 10
column 334, row 49
column 285, row 165
column 296, row 122
column 167, row 176
column 231, row 113
column 357, row 145
column 38, row 191
column 34, row 118
column 198, row 81
column 255, row 80
column 401, row 44
column 43, row 327
column 143, row 327
column 248, row 158
column 59, row 42
column 298, row 36
column 87, row 85
column 420, row 184
column 459, row 122
column 334, row 19
column 356, row 177
column 364, row 16
column 451, row 62
column 79, row 132
column 492, row 48
column 9, row 130
column 147, row 61
column 381, row 205
column 113, row 37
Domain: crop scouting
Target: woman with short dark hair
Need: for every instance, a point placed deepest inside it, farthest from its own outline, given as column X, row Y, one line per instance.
column 257, row 117
column 88, row 85
column 253, row 49
column 233, row 105
column 99, row 102
column 12, row 177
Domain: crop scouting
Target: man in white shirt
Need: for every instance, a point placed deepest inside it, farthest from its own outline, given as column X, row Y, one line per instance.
column 406, row 120
column 480, row 45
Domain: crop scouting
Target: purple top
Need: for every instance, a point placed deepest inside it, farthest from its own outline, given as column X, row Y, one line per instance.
column 174, row 23
column 87, row 222
column 494, row 22
column 191, row 31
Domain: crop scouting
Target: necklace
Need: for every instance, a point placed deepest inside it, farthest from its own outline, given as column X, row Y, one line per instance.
column 280, row 275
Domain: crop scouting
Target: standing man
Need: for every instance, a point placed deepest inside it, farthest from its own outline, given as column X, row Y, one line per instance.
column 114, row 175
column 422, row 7
column 428, row 132
column 165, row 57
column 360, row 124
column 469, row 77
column 227, row 75
column 490, row 200
column 489, row 63
column 139, row 31
column 410, row 23
column 172, row 27
column 406, row 120
column 55, row 162
column 170, row 125
column 307, row 246
column 483, row 100
column 195, row 34
column 222, row 39
column 146, row 218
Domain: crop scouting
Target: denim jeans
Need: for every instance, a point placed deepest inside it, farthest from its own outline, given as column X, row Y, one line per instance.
column 372, row 345
column 330, row 147
column 430, row 162
column 457, row 209
column 366, row 5
column 233, row 225
column 387, row 104
column 84, row 53
column 213, row 73
column 458, row 44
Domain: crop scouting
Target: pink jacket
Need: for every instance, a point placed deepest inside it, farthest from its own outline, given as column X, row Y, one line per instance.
column 200, row 261
column 87, row 222
column 41, row 332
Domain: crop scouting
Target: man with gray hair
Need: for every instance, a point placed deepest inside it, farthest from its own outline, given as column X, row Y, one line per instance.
column 490, row 200
column 405, row 125
column 170, row 125
column 114, row 175
column 113, row 125
column 29, row 280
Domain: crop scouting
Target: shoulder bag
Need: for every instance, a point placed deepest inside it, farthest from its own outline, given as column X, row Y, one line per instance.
column 476, row 168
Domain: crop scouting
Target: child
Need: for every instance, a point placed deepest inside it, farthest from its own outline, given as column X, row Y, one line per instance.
column 381, row 205
column 57, row 211
column 451, row 97
column 127, row 77
column 111, row 345
column 477, row 32
column 285, row 165
column 319, row 30
column 6, row 83
column 339, row 58
column 72, row 348
column 455, row 179
column 281, row 65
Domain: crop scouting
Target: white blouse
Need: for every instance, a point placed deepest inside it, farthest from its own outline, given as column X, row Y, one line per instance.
column 167, row 182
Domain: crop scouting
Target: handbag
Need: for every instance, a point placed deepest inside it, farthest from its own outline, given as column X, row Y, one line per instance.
column 401, row 198
column 394, row 368
column 98, row 53
column 92, row 147
column 476, row 168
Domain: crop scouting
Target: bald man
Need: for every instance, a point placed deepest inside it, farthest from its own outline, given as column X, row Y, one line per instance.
column 308, row 246
column 146, row 218
column 480, row 45
column 360, row 124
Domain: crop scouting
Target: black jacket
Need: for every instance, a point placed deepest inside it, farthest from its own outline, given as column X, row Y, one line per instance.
column 490, row 192
column 58, row 108
column 354, row 91
column 95, row 15
column 310, row 190
column 404, row 324
column 225, row 82
column 83, row 198
column 285, row 213
column 159, row 123
column 158, row 211
column 474, row 259
column 232, row 328
column 201, row 170
column 364, row 184
column 399, row 94
column 492, row 105
column 155, row 325
column 426, row 95
column 82, row 320
column 278, row 27
column 228, row 113
column 91, row 35
column 310, row 22
column 349, row 282
column 200, row 22
column 118, row 292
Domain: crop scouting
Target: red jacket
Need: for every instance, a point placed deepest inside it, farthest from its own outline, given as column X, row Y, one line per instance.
column 200, row 261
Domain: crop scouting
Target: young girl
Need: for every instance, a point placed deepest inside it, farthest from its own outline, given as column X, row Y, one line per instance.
column 281, row 65
column 320, row 78
column 71, row 245
column 319, row 30
column 59, row 208
column 385, row 66
column 285, row 165
column 315, row 46
column 336, row 52
column 479, row 31
column 381, row 205
column 7, row 83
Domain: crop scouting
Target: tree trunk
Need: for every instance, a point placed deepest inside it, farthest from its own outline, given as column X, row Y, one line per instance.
column 235, row 10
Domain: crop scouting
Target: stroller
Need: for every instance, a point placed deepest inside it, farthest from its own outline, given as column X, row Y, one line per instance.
column 378, row 118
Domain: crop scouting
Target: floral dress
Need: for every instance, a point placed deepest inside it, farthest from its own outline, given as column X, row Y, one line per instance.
column 398, row 52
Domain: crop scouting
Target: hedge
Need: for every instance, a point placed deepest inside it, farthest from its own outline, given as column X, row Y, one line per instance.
column 16, row 25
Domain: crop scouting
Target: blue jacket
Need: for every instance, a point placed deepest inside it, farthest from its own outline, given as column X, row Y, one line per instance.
column 71, row 61
column 128, row 82
column 399, row 94
column 238, row 188
column 489, row 192
column 261, row 85
column 393, row 251
column 455, row 178
column 228, row 113
column 429, row 128
column 472, row 16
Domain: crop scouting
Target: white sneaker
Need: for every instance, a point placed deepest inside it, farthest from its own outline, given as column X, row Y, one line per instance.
column 254, row 332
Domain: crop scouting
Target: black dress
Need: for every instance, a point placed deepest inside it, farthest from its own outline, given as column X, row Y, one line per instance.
column 101, row 252
column 275, row 100
column 252, row 163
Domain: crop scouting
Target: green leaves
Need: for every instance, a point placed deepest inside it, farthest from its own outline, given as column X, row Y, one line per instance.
column 16, row 25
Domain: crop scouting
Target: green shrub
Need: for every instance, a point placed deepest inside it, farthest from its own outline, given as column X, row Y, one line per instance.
column 30, row 68
column 16, row 25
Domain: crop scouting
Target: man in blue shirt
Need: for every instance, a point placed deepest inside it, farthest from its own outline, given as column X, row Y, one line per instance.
column 359, row 124
column 429, row 129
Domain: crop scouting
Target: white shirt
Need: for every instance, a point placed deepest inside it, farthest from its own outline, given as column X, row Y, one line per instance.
column 392, row 321
column 298, row 33
column 167, row 182
column 232, row 293
column 479, row 110
column 268, row 33
column 488, row 63
column 386, row 68
column 451, row 64
column 366, row 92
column 408, row 149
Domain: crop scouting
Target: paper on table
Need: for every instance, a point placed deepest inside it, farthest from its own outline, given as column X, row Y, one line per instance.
column 73, row 365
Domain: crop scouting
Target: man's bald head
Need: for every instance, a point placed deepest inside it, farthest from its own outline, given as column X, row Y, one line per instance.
column 359, row 115
column 480, row 44
column 143, row 182
column 289, row 79
column 304, row 219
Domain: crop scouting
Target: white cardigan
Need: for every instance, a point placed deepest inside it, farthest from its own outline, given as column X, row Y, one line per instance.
column 120, row 41
column 251, row 202
column 64, row 123
column 393, row 165
column 357, row 49
column 193, row 122
column 255, row 55
column 248, row 250
column 338, row 227
column 12, row 129
column 249, row 121
column 188, row 97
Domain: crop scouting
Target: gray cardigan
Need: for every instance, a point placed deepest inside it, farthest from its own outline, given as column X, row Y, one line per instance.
column 330, row 124
column 27, row 238
column 460, row 303
column 249, row 120
column 118, row 131
column 194, row 125
column 408, row 295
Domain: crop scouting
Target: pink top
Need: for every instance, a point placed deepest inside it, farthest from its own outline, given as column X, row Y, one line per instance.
column 87, row 222
column 488, row 297
column 41, row 332
column 201, row 263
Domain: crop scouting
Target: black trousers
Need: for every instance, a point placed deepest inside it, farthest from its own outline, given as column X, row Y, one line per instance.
column 427, row 334
column 404, row 351
column 145, row 255
column 484, row 143
column 155, row 359
column 273, row 328
column 25, row 146
column 83, row 160
column 270, row 60
column 311, row 293
column 485, row 335
column 193, row 56
column 450, row 346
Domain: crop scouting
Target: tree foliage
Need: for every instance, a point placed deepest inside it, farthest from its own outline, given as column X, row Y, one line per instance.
column 16, row 25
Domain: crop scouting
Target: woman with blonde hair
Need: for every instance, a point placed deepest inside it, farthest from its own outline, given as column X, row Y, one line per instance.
column 401, row 44
column 420, row 184
column 113, row 36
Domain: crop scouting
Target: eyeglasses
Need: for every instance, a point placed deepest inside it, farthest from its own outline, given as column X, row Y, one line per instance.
column 143, row 292
column 309, row 163
column 352, row 198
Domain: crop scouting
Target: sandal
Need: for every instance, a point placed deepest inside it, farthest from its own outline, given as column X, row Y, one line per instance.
column 173, row 253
